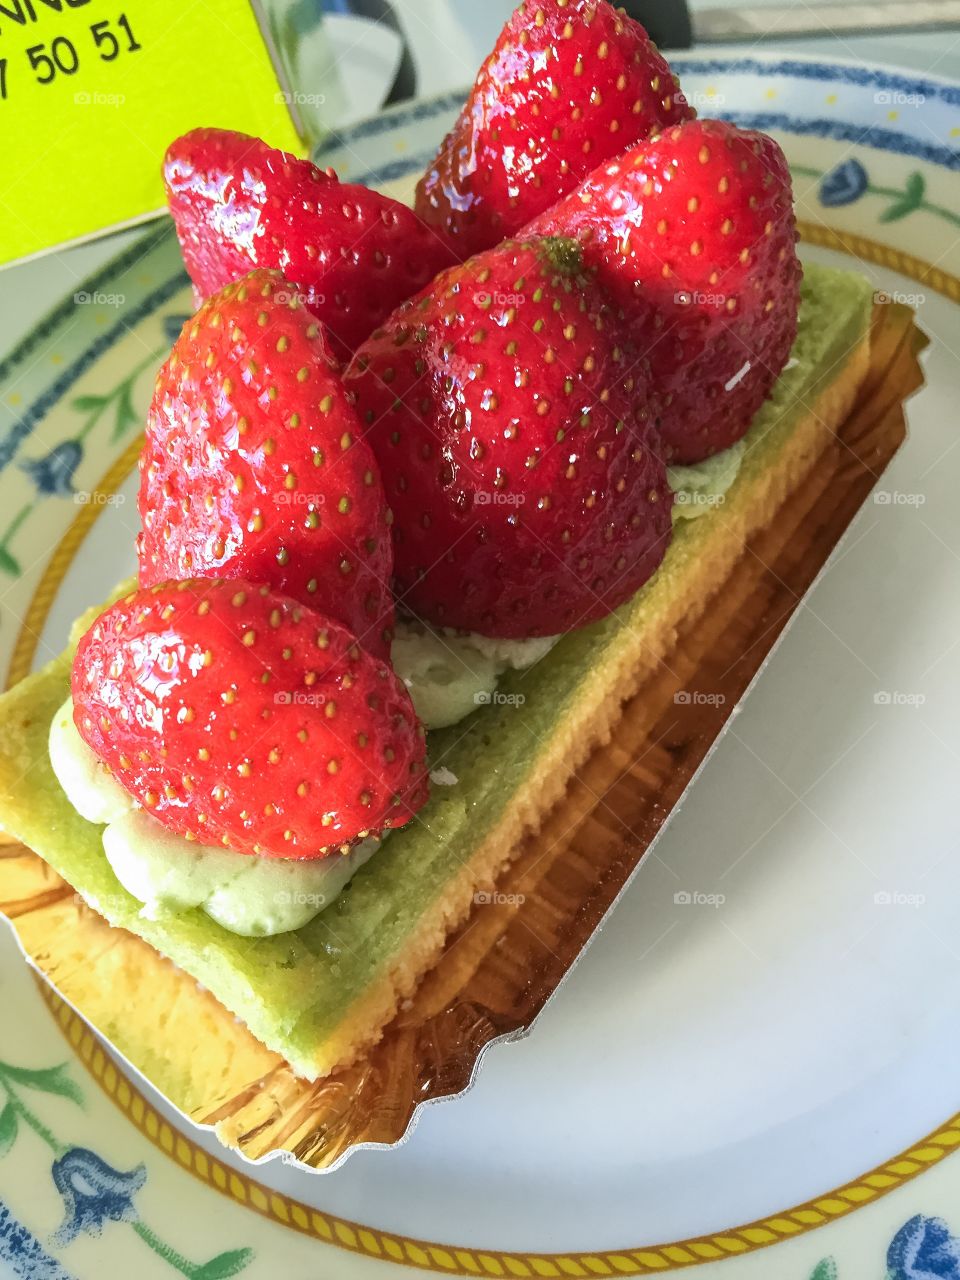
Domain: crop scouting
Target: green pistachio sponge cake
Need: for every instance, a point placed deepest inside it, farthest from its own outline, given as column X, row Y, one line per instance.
column 321, row 995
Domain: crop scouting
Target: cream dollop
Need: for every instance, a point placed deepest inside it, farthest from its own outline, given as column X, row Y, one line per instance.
column 168, row 874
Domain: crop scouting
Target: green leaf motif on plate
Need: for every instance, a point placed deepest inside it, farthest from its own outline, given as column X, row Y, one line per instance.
column 8, row 1128
column 826, row 1269
column 898, row 210
column 45, row 1079
column 88, row 404
column 120, row 399
column 126, row 415
column 223, row 1265
column 9, row 563
column 911, row 198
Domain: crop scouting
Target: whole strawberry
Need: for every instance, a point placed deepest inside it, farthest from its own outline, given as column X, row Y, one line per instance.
column 254, row 466
column 239, row 204
column 512, row 433
column 693, row 234
column 569, row 84
column 238, row 717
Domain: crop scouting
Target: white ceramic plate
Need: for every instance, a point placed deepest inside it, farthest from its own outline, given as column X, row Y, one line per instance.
column 767, row 1030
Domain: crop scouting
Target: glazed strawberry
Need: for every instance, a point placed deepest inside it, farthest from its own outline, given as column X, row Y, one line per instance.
column 569, row 84
column 693, row 234
column 515, row 445
column 238, row 717
column 239, row 204
column 254, row 466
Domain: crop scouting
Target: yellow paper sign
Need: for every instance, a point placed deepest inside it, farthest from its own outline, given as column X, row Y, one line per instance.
column 93, row 91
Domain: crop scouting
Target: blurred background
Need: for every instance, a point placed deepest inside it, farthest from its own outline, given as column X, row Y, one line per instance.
column 436, row 45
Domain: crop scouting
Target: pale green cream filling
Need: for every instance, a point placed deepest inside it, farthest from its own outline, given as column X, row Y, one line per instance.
column 703, row 486
column 448, row 676
column 250, row 896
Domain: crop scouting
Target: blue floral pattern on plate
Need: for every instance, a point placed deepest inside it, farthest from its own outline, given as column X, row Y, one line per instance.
column 53, row 473
column 92, row 1191
column 844, row 184
column 924, row 1249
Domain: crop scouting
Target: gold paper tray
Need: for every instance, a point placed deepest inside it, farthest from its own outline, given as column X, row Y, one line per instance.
column 503, row 964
